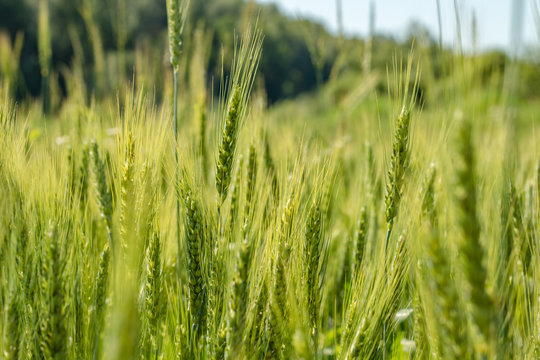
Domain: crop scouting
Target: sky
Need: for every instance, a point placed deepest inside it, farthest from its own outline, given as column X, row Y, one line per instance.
column 392, row 17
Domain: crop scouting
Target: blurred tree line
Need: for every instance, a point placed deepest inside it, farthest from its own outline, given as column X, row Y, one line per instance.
column 123, row 25
column 298, row 54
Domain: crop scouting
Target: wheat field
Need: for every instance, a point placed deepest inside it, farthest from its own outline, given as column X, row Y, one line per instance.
column 217, row 227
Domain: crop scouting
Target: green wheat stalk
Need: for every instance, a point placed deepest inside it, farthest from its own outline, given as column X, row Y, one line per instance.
column 313, row 239
column 470, row 246
column 396, row 173
column 176, row 17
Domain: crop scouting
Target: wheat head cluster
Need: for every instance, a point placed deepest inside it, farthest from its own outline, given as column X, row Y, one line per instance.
column 215, row 227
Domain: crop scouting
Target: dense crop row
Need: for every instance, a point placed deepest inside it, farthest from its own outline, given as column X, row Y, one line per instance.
column 123, row 235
